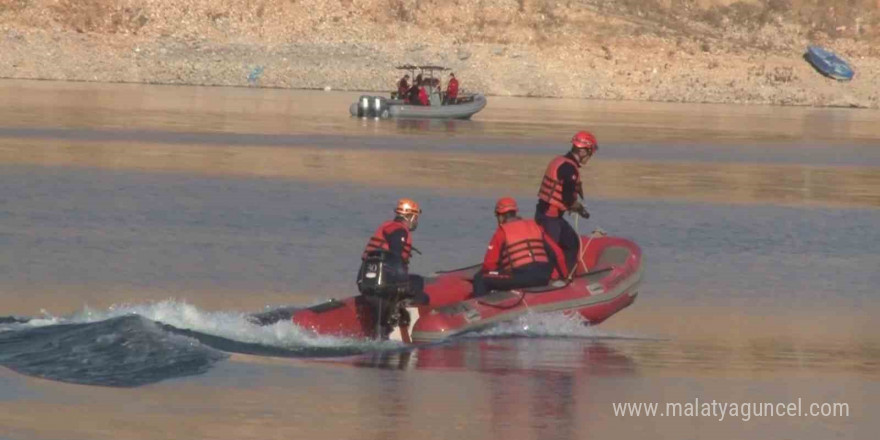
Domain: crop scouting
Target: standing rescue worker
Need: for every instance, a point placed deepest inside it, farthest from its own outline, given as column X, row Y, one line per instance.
column 451, row 90
column 519, row 255
column 403, row 88
column 562, row 191
column 394, row 236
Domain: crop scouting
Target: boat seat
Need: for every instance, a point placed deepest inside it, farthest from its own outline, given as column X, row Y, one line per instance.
column 554, row 285
column 613, row 256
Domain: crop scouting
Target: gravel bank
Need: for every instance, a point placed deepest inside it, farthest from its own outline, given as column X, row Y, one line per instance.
column 677, row 51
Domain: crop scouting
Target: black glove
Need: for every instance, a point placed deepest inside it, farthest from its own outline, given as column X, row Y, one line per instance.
column 583, row 213
column 579, row 208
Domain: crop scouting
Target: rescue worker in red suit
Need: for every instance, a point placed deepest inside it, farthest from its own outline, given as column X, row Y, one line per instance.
column 395, row 236
column 561, row 191
column 403, row 88
column 520, row 254
column 423, row 95
column 451, row 90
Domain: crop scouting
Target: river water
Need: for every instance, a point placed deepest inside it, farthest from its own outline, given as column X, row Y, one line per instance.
column 141, row 224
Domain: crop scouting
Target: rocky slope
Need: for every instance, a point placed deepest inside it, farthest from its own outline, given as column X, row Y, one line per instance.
column 665, row 50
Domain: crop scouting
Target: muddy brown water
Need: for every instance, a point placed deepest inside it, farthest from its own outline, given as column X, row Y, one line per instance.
column 192, row 205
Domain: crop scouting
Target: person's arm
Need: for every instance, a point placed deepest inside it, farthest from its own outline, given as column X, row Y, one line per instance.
column 396, row 240
column 571, row 189
column 567, row 174
column 493, row 252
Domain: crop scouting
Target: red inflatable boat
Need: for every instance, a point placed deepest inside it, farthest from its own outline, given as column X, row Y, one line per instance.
column 606, row 280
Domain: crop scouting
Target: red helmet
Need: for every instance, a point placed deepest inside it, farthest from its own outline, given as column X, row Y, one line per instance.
column 504, row 205
column 407, row 206
column 585, row 139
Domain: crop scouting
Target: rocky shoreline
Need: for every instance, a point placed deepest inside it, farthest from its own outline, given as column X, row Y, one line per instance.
column 628, row 60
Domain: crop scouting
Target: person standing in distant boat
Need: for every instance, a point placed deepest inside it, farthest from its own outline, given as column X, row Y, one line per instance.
column 423, row 95
column 403, row 87
column 436, row 95
column 562, row 191
column 413, row 93
column 451, row 90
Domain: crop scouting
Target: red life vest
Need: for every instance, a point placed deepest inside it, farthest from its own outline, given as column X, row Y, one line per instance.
column 523, row 244
column 377, row 241
column 551, row 187
column 452, row 89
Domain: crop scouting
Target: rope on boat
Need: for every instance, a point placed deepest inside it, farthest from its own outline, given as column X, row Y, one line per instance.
column 581, row 250
column 522, row 299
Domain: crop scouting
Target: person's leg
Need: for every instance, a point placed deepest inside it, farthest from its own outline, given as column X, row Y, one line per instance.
column 496, row 282
column 563, row 234
column 569, row 241
column 416, row 290
column 552, row 225
column 533, row 275
column 479, row 285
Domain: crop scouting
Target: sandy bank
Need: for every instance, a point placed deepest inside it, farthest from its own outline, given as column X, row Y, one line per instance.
column 677, row 51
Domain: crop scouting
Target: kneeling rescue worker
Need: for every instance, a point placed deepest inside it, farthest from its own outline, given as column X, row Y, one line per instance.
column 562, row 191
column 394, row 238
column 520, row 254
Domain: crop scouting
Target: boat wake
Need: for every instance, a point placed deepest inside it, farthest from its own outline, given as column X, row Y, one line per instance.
column 134, row 345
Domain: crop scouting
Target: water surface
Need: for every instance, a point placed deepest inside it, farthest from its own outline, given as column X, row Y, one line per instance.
column 140, row 224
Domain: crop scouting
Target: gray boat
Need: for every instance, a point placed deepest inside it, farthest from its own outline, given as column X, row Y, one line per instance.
column 463, row 107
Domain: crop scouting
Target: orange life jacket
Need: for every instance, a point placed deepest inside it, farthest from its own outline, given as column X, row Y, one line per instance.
column 551, row 188
column 523, row 244
column 377, row 241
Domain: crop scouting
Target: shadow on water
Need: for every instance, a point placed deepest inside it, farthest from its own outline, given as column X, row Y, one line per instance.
column 13, row 320
column 126, row 351
column 129, row 351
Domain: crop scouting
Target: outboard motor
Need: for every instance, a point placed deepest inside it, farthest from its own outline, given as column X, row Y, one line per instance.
column 383, row 276
column 379, row 108
column 363, row 106
column 385, row 283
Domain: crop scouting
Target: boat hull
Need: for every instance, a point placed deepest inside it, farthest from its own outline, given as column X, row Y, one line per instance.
column 610, row 285
column 829, row 64
column 398, row 109
column 606, row 281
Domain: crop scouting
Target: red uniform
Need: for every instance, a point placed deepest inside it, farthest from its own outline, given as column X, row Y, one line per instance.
column 452, row 90
column 402, row 89
column 423, row 96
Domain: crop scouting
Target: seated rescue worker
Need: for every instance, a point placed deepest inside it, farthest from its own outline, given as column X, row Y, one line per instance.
column 451, row 90
column 412, row 96
column 392, row 244
column 520, row 254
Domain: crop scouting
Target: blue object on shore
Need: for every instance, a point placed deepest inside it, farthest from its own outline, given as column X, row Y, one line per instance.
column 255, row 75
column 829, row 64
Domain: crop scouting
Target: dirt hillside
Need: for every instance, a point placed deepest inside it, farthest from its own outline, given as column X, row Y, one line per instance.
column 665, row 50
